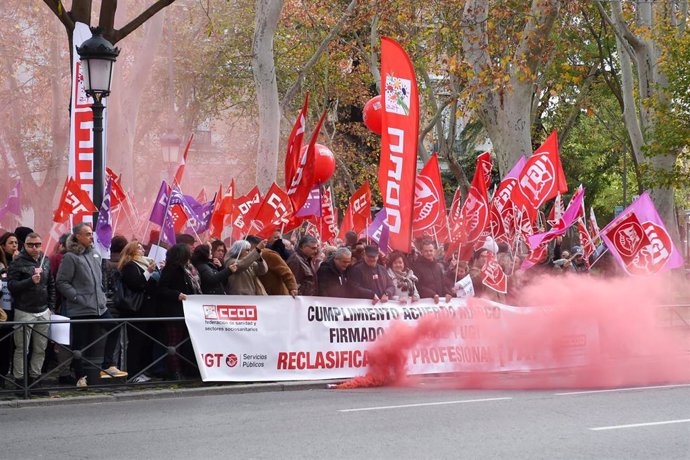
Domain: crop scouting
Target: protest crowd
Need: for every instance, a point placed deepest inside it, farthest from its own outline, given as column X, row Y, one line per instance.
column 287, row 242
column 76, row 282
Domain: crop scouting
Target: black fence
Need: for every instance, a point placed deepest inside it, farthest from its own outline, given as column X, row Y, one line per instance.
column 153, row 344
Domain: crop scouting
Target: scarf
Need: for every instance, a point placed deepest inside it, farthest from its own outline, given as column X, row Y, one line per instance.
column 193, row 277
column 143, row 262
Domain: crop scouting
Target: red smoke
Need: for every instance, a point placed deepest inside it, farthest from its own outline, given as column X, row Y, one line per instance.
column 635, row 348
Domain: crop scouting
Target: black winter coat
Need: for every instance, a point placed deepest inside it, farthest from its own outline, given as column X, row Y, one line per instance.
column 431, row 279
column 133, row 277
column 27, row 296
column 173, row 281
column 332, row 282
column 364, row 281
column 212, row 278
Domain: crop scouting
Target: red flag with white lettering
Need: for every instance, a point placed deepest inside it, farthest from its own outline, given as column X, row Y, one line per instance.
column 429, row 215
column 294, row 144
column 303, row 178
column 73, row 200
column 541, row 179
column 360, row 207
column 399, row 136
column 275, row 210
column 585, row 240
column 244, row 211
column 475, row 210
column 493, row 276
column 329, row 223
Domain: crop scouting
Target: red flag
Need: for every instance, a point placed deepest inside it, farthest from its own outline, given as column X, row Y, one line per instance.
column 585, row 240
column 180, row 169
column 215, row 228
column 246, row 208
column 294, row 145
column 541, row 179
column 485, row 164
column 179, row 217
column 475, row 211
column 360, row 207
column 429, row 214
column 228, row 199
column 399, row 137
column 347, row 224
column 627, row 237
column 73, row 200
column 275, row 209
column 329, row 225
column 303, row 178
column 117, row 193
column 493, row 276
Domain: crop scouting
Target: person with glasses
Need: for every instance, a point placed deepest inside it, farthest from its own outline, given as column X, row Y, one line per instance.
column 304, row 265
column 33, row 293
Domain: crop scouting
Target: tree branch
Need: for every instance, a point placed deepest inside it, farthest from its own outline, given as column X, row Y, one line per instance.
column 542, row 17
column 119, row 34
column 106, row 19
column 315, row 57
column 58, row 10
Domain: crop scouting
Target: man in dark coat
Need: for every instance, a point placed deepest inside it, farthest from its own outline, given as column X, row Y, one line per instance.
column 332, row 274
column 303, row 265
column 430, row 274
column 369, row 280
column 33, row 291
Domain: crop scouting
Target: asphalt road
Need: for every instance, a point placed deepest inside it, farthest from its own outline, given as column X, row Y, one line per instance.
column 644, row 423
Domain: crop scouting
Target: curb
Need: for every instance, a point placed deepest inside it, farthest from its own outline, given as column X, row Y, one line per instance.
column 170, row 393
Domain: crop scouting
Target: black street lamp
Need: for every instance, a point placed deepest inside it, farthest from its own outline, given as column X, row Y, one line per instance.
column 170, row 148
column 97, row 56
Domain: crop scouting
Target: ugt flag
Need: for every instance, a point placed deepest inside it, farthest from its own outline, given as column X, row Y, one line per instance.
column 639, row 241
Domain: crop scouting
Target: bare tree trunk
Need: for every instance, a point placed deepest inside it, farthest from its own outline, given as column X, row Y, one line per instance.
column 263, row 66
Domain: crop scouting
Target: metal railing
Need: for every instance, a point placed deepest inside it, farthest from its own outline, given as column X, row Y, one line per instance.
column 123, row 327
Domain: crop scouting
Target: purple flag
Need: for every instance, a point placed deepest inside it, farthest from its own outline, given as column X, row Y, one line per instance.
column 574, row 211
column 657, row 256
column 12, row 203
column 160, row 206
column 379, row 231
column 168, row 230
column 198, row 214
column 201, row 217
column 311, row 207
column 104, row 229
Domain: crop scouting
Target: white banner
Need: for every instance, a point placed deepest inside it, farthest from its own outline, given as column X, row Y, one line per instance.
column 259, row 338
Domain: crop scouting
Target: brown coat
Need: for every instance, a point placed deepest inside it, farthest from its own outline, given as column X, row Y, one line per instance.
column 279, row 279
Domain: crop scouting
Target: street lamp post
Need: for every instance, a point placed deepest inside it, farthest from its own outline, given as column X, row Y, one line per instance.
column 97, row 56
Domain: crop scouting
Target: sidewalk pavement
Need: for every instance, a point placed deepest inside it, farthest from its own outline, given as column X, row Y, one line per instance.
column 163, row 393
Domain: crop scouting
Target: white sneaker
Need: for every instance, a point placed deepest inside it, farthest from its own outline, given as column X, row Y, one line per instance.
column 143, row 378
column 81, row 383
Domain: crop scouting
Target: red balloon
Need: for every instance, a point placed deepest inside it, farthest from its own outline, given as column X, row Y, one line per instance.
column 372, row 114
column 324, row 163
